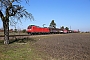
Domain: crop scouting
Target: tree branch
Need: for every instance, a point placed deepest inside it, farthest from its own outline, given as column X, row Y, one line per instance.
column 1, row 15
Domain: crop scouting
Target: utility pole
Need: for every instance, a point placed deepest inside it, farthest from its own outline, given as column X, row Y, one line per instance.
column 70, row 27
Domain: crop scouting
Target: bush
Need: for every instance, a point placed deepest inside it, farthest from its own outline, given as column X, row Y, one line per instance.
column 24, row 30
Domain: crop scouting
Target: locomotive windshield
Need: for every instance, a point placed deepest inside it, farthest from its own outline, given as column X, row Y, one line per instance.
column 29, row 27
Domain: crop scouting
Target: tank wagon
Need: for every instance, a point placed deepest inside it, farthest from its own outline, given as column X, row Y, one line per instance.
column 32, row 29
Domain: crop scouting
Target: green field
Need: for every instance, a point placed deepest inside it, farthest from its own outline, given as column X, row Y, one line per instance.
column 21, row 49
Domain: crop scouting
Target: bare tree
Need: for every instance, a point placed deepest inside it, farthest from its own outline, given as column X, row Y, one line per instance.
column 9, row 12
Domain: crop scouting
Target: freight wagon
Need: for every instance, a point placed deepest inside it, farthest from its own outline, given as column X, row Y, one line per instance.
column 55, row 30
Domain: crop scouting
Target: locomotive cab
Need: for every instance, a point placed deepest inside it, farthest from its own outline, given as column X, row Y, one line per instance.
column 30, row 29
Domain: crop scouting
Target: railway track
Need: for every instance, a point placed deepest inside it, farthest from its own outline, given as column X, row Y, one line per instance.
column 30, row 35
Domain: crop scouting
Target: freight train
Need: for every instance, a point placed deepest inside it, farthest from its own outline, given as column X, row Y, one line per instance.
column 33, row 29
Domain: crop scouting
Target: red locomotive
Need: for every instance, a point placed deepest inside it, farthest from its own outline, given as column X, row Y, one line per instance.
column 32, row 29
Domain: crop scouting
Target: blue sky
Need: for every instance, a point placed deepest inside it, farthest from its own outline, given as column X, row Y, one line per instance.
column 74, row 13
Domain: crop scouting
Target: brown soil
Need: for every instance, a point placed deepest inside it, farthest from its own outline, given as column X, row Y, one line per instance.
column 66, row 46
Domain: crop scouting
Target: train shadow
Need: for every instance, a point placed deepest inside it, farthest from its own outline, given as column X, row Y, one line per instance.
column 22, row 40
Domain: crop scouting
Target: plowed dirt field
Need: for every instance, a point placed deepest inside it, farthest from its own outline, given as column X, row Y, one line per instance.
column 66, row 46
